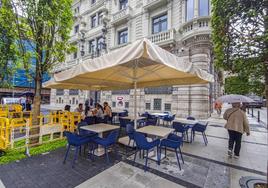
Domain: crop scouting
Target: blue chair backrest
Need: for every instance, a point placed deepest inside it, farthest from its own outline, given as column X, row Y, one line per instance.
column 190, row 118
column 90, row 120
column 123, row 114
column 151, row 121
column 174, row 137
column 130, row 130
column 81, row 131
column 178, row 126
column 200, row 127
column 112, row 137
column 72, row 138
column 123, row 122
column 140, row 140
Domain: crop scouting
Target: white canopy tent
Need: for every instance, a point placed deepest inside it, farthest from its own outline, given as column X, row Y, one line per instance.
column 138, row 65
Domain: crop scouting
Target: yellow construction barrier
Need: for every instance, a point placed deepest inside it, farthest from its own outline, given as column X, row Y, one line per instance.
column 4, row 133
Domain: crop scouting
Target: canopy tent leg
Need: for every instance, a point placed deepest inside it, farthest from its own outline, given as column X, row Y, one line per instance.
column 135, row 95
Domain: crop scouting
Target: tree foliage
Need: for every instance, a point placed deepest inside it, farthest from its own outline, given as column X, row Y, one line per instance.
column 8, row 47
column 240, row 42
column 46, row 26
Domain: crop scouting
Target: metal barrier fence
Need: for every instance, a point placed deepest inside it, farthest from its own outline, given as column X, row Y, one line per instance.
column 16, row 133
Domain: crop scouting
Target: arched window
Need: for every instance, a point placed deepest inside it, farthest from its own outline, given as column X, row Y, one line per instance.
column 189, row 10
column 203, row 7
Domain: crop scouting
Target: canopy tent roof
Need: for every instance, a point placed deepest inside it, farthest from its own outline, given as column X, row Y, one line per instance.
column 141, row 62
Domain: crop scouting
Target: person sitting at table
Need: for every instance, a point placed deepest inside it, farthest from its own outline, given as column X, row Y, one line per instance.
column 79, row 108
column 99, row 111
column 67, row 108
column 107, row 109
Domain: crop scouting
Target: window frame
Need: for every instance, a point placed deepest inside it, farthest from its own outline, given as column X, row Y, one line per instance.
column 94, row 21
column 155, row 106
column 199, row 8
column 123, row 4
column 186, row 11
column 124, row 36
column 76, row 29
column 159, row 23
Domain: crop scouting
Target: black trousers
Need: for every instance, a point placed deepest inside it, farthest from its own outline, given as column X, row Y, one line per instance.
column 235, row 137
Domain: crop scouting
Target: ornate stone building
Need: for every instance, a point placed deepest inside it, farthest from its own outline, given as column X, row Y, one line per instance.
column 179, row 26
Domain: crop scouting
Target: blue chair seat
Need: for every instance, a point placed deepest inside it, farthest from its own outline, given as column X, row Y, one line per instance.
column 198, row 127
column 172, row 141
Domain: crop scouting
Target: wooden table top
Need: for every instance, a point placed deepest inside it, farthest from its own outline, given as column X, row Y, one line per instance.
column 132, row 118
column 156, row 131
column 100, row 128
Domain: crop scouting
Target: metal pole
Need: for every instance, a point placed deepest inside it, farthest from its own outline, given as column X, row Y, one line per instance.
column 135, row 95
column 258, row 116
column 252, row 112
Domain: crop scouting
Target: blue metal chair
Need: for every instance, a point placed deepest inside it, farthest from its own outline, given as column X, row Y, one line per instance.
column 108, row 143
column 151, row 121
column 123, row 123
column 90, row 120
column 198, row 127
column 190, row 118
column 143, row 145
column 181, row 128
column 130, row 132
column 169, row 119
column 76, row 141
column 172, row 141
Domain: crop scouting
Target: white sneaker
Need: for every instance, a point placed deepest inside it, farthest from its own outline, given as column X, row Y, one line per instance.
column 236, row 156
column 230, row 153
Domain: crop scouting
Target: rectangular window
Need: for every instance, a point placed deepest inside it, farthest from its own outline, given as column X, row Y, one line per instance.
column 59, row 92
column 93, row 21
column 157, row 104
column 159, row 24
column 126, row 104
column 92, row 46
column 147, row 106
column 100, row 43
column 189, row 10
column 203, row 7
column 113, row 104
column 122, row 36
column 76, row 29
column 167, row 107
column 93, row 1
column 75, row 55
column 123, row 4
column 100, row 18
column 73, row 92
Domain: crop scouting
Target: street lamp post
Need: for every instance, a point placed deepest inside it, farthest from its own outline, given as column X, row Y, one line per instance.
column 103, row 47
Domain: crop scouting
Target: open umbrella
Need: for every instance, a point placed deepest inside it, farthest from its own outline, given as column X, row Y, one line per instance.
column 138, row 65
column 234, row 99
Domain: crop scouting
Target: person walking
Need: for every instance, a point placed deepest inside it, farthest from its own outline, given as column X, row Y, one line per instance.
column 237, row 125
column 218, row 107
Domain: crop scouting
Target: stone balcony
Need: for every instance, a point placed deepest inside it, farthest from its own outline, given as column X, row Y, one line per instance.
column 121, row 16
column 197, row 26
column 65, row 65
column 74, row 38
column 97, row 5
column 163, row 38
column 152, row 4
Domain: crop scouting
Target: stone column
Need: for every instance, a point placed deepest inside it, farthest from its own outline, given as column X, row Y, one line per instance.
column 129, row 31
column 169, row 14
column 183, row 12
column 196, row 7
column 146, row 23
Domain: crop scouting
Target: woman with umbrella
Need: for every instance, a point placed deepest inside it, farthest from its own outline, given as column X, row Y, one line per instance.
column 237, row 122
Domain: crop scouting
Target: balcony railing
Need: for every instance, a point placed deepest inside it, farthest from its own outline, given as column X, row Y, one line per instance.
column 121, row 15
column 195, row 26
column 158, row 90
column 151, row 4
column 163, row 37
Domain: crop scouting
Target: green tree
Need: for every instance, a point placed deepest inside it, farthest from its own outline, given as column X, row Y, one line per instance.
column 240, row 41
column 8, row 46
column 47, row 25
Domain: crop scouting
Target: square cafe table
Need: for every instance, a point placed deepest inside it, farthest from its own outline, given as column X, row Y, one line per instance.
column 156, row 132
column 132, row 118
column 159, row 115
column 100, row 129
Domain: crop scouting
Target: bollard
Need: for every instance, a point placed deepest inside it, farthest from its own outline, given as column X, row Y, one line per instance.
column 248, row 110
column 258, row 116
column 252, row 112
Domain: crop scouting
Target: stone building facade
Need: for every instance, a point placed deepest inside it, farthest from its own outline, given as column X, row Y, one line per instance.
column 182, row 27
